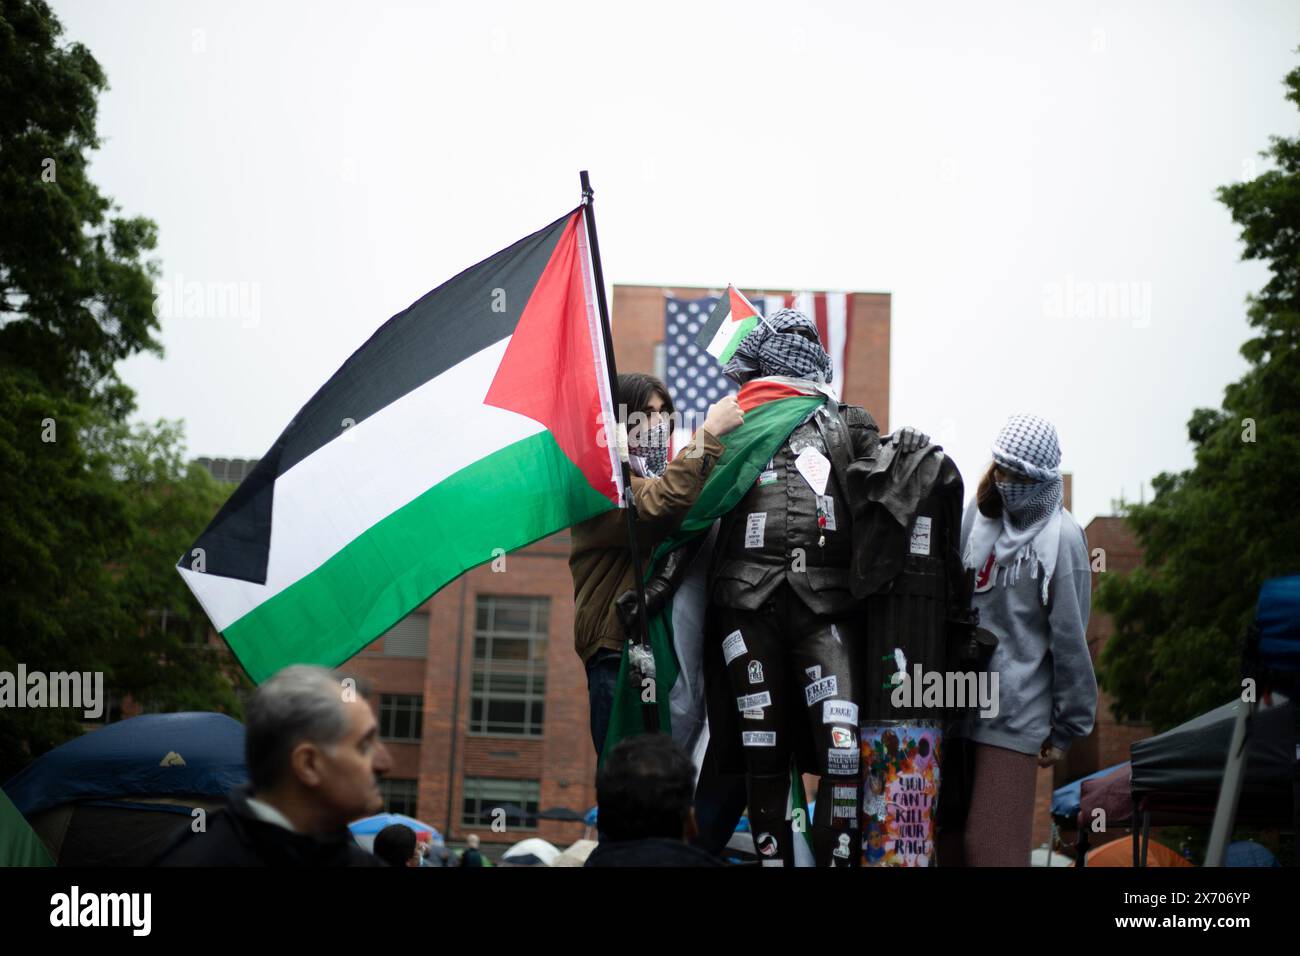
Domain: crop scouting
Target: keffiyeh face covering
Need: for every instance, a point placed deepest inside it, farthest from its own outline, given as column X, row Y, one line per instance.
column 1029, row 503
column 786, row 343
column 650, row 454
column 1028, row 451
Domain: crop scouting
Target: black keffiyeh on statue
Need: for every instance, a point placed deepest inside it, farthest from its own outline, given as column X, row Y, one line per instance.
column 785, row 343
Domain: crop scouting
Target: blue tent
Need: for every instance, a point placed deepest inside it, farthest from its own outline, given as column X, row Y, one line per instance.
column 152, row 755
column 1065, row 800
column 119, row 794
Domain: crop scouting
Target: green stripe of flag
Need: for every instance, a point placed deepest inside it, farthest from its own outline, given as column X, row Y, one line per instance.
column 19, row 844
column 506, row 500
column 729, row 338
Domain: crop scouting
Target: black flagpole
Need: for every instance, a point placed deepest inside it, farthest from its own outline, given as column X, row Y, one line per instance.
column 649, row 710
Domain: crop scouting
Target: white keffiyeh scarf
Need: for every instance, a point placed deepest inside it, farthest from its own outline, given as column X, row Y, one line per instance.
column 1030, row 527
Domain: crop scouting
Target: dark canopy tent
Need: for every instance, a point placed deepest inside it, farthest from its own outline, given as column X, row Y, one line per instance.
column 1176, row 775
column 1186, row 774
column 117, row 795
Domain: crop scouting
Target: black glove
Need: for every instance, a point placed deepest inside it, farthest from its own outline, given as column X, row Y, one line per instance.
column 658, row 589
column 909, row 439
column 628, row 609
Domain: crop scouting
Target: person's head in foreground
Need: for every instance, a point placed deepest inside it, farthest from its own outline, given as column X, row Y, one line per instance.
column 313, row 750
column 396, row 845
column 645, row 790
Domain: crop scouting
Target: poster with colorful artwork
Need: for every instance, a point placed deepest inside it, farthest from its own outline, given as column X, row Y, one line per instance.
column 900, row 791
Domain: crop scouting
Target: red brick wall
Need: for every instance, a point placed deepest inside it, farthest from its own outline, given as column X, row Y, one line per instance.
column 866, row 377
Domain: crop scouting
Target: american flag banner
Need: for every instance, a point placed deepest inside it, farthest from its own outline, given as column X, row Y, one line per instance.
column 695, row 378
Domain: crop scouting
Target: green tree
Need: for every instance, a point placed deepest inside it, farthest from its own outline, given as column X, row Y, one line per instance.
column 166, row 660
column 93, row 521
column 1212, row 534
column 93, row 512
column 76, row 295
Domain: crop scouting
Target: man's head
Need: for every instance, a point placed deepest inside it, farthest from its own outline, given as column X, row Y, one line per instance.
column 396, row 845
column 471, row 841
column 645, row 790
column 313, row 742
column 786, row 343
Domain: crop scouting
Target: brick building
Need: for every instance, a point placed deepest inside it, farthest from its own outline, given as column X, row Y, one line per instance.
column 479, row 694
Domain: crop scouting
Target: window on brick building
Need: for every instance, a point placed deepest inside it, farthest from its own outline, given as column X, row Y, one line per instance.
column 508, row 692
column 409, row 637
column 400, row 716
column 400, row 796
column 483, row 795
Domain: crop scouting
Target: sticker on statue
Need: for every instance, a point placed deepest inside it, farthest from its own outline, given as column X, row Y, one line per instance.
column 815, row 468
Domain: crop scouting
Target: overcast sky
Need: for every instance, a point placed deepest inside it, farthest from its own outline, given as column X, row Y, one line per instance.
column 1033, row 182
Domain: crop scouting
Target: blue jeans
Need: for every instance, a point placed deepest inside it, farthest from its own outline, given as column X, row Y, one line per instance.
column 602, row 679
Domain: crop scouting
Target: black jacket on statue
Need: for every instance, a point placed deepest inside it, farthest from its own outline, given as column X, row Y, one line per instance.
column 743, row 576
column 235, row 836
column 844, row 434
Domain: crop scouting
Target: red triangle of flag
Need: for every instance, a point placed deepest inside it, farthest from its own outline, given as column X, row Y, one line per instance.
column 549, row 371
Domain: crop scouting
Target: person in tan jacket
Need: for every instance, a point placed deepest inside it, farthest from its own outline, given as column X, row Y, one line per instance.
column 664, row 492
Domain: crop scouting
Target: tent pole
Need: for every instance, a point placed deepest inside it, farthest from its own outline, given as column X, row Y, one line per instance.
column 1230, row 789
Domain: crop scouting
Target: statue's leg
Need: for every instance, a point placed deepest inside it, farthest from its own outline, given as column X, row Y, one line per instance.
column 824, row 659
column 754, row 645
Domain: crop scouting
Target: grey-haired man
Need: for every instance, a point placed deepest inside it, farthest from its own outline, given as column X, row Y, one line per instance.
column 314, row 757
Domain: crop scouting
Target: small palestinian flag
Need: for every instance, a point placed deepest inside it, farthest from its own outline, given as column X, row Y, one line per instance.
column 474, row 422
column 732, row 319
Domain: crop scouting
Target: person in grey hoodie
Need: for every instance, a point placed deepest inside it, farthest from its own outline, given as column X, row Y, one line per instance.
column 1033, row 590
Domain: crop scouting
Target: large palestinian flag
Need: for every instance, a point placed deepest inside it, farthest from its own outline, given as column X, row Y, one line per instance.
column 475, row 422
